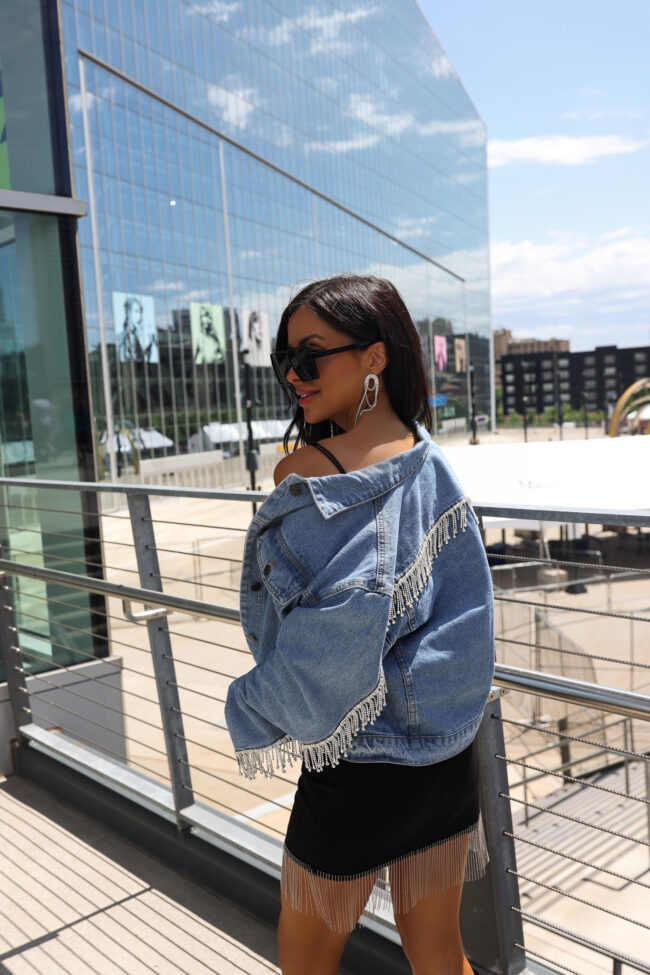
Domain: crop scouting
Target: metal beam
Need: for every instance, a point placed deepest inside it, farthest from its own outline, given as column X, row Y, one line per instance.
column 62, row 206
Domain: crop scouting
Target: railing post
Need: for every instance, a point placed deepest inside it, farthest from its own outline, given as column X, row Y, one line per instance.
column 162, row 656
column 565, row 749
column 11, row 657
column 489, row 925
column 646, row 769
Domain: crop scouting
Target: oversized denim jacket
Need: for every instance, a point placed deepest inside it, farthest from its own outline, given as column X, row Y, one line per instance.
column 367, row 604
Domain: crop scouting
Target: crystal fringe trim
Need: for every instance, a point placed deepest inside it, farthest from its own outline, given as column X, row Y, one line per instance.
column 401, row 883
column 410, row 584
column 317, row 754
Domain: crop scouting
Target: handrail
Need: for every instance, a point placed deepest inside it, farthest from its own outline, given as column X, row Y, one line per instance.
column 572, row 691
column 194, row 607
column 556, row 687
column 110, row 487
column 613, row 516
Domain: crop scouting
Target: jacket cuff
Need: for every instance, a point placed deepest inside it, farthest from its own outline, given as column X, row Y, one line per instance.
column 316, row 754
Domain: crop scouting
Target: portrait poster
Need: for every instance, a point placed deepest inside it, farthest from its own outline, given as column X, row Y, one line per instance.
column 440, row 352
column 135, row 327
column 460, row 355
column 255, row 338
column 208, row 333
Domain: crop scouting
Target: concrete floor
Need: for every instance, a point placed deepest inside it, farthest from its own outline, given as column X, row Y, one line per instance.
column 77, row 899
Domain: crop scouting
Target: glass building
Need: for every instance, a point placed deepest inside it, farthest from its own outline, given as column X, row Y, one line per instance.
column 172, row 171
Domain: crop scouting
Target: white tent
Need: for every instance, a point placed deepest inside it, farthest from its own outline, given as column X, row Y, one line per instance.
column 602, row 473
column 144, row 439
column 230, row 432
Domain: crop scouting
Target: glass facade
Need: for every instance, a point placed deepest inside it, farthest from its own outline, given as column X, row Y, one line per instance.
column 45, row 414
column 229, row 152
column 232, row 151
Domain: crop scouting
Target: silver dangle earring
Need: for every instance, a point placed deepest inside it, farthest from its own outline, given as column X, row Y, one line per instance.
column 370, row 391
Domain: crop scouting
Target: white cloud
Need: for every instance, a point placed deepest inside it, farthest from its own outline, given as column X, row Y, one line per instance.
column 596, row 115
column 372, row 111
column 470, row 132
column 235, row 106
column 441, row 67
column 561, row 275
column 408, row 227
column 326, row 30
column 75, row 102
column 560, row 149
column 365, row 108
column 590, row 92
column 161, row 286
column 343, row 146
column 219, row 10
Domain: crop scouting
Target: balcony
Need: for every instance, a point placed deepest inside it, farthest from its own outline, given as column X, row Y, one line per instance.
column 123, row 803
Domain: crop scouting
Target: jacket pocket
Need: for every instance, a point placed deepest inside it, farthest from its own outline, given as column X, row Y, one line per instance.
column 284, row 577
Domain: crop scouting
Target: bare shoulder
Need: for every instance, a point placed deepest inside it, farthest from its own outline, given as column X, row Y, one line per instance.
column 307, row 461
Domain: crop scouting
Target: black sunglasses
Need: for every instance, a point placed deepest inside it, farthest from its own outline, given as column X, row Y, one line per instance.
column 303, row 361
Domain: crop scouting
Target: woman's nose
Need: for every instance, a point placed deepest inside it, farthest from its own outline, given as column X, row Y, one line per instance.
column 292, row 376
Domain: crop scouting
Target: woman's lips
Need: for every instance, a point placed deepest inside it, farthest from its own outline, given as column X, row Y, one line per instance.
column 306, row 399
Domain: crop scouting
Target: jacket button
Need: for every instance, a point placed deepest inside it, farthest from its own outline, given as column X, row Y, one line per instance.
column 255, row 586
column 266, row 569
column 295, row 489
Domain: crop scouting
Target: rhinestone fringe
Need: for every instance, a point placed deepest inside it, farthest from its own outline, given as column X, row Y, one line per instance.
column 317, row 754
column 340, row 900
column 410, row 584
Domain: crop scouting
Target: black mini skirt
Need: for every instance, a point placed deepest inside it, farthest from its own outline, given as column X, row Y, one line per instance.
column 401, row 830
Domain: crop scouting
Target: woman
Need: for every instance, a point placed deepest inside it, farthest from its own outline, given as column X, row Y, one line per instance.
column 366, row 601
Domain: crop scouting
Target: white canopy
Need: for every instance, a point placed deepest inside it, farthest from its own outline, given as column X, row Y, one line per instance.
column 144, row 439
column 601, row 473
column 229, row 432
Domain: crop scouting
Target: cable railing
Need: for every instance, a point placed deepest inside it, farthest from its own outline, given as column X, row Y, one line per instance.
column 135, row 701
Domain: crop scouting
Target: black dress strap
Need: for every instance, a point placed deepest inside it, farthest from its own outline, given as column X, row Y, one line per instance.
column 329, row 454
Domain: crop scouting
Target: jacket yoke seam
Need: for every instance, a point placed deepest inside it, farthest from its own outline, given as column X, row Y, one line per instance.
column 308, row 577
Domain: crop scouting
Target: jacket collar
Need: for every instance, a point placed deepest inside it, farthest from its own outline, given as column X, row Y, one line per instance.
column 334, row 493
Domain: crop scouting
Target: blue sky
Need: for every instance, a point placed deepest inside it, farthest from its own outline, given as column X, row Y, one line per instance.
column 564, row 90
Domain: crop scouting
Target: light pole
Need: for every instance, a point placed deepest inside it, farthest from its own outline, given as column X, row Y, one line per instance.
column 472, row 392
column 524, row 400
column 252, row 459
column 558, row 404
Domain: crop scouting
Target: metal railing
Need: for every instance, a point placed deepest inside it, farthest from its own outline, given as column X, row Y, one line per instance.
column 136, row 704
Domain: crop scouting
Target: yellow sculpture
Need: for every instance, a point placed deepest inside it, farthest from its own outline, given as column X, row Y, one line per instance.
column 626, row 404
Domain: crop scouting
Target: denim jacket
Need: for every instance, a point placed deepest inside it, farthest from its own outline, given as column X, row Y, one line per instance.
column 367, row 603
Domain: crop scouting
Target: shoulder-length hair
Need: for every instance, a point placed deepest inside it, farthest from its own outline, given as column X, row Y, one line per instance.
column 367, row 308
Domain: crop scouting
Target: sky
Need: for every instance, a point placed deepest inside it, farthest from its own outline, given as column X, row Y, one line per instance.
column 564, row 90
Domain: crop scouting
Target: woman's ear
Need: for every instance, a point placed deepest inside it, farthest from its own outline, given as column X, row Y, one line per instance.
column 377, row 358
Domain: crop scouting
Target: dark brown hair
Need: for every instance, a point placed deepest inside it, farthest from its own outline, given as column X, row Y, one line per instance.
column 365, row 308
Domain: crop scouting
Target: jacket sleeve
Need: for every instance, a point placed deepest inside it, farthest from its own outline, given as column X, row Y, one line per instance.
column 321, row 682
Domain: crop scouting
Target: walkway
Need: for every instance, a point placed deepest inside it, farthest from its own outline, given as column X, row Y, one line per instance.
column 77, row 899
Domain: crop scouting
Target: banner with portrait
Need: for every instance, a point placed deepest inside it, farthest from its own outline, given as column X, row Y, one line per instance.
column 460, row 355
column 255, row 337
column 135, row 327
column 440, row 352
column 208, row 333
